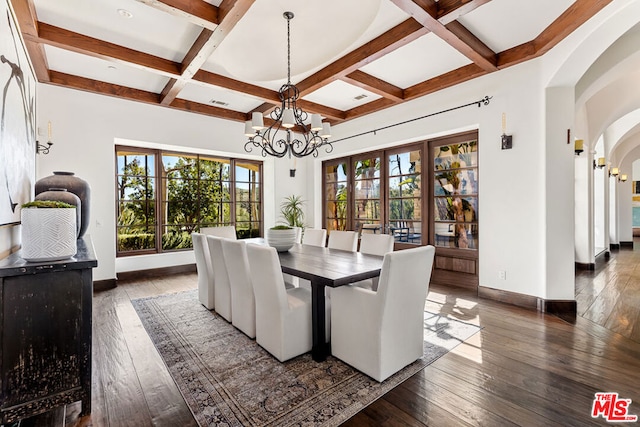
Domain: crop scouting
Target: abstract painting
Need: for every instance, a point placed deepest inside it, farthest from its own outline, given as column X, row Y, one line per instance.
column 17, row 120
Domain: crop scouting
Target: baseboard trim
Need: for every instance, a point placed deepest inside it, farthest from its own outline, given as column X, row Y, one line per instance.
column 513, row 298
column 614, row 246
column 156, row 272
column 104, row 285
column 585, row 266
column 626, row 244
column 556, row 307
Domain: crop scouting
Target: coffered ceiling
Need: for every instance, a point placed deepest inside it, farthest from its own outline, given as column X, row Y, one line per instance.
column 228, row 58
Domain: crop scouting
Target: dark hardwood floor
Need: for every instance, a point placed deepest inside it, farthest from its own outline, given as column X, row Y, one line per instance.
column 523, row 368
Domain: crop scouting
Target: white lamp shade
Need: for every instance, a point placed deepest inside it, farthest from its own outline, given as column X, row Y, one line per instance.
column 257, row 121
column 579, row 144
column 326, row 130
column 287, row 118
column 615, row 171
column 623, row 177
column 248, row 129
column 601, row 161
column 316, row 122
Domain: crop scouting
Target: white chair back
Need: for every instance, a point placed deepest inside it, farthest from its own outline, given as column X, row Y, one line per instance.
column 283, row 317
column 226, row 231
column 206, row 293
column 314, row 237
column 376, row 244
column 381, row 332
column 344, row 240
column 220, row 277
column 243, row 306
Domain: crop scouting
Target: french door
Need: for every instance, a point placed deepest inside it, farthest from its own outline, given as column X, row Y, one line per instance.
column 421, row 193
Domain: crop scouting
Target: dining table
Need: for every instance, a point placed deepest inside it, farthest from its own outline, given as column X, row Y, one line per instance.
column 325, row 267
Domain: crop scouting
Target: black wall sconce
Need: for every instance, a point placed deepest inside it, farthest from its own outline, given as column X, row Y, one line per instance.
column 579, row 146
column 506, row 141
column 601, row 163
column 44, row 149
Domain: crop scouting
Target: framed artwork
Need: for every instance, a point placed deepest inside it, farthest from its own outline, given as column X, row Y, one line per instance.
column 17, row 120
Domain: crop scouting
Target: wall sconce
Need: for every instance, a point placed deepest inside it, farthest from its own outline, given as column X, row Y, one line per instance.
column 44, row 149
column 601, row 163
column 579, row 146
column 622, row 177
column 506, row 141
column 614, row 172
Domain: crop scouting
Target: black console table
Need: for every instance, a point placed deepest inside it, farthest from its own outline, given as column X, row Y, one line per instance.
column 45, row 333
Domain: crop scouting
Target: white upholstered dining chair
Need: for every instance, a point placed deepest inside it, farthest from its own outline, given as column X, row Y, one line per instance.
column 344, row 240
column 314, row 237
column 283, row 316
column 226, row 231
column 381, row 332
column 221, row 278
column 243, row 306
column 206, row 293
column 374, row 244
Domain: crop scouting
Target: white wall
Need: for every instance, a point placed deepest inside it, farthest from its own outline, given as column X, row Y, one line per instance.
column 524, row 227
column 85, row 128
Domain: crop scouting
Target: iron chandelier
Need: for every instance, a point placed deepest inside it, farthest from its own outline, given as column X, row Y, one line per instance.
column 286, row 117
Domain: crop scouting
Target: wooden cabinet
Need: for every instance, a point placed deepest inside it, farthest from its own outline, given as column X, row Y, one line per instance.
column 45, row 333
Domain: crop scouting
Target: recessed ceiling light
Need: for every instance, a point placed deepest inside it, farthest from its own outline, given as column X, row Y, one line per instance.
column 216, row 102
column 125, row 13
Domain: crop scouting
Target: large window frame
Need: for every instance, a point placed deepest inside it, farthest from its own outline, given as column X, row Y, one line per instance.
column 227, row 201
column 423, row 228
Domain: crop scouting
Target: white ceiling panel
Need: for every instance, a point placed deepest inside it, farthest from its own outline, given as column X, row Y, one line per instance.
column 98, row 69
column 341, row 95
column 503, row 24
column 420, row 60
column 219, row 97
column 147, row 30
column 260, row 49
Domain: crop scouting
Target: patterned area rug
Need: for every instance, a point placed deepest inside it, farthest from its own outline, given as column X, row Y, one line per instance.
column 228, row 379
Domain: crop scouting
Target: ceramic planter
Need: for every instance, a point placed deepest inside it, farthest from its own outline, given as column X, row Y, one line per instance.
column 48, row 234
column 281, row 239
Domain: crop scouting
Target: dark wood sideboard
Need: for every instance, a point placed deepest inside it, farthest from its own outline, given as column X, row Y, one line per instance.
column 45, row 333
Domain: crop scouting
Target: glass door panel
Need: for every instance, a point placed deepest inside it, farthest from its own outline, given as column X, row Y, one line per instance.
column 336, row 191
column 405, row 196
column 455, row 195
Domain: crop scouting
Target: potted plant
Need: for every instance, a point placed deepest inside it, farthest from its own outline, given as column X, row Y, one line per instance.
column 293, row 214
column 48, row 230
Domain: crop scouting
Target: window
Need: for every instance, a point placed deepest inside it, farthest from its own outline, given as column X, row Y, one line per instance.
column 165, row 196
column 455, row 195
column 405, row 195
column 335, row 195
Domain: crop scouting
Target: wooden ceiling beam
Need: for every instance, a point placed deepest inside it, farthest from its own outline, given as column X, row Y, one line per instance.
column 572, row 18
column 393, row 39
column 450, row 10
column 118, row 91
column 231, row 12
column 199, row 13
column 375, row 85
column 25, row 12
column 264, row 94
column 462, row 40
column 323, row 110
column 79, row 43
column 576, row 15
column 443, row 81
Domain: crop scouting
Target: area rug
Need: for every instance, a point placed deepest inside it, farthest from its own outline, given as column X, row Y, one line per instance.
column 228, row 379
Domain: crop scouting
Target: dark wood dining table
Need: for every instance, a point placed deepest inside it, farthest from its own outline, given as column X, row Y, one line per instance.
column 326, row 267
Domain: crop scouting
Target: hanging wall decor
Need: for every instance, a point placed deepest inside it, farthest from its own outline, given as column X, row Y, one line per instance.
column 17, row 120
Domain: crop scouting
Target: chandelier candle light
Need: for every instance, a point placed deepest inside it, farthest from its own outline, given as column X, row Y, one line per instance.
column 286, row 117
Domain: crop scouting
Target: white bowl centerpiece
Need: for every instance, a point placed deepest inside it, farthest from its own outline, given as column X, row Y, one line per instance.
column 281, row 237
